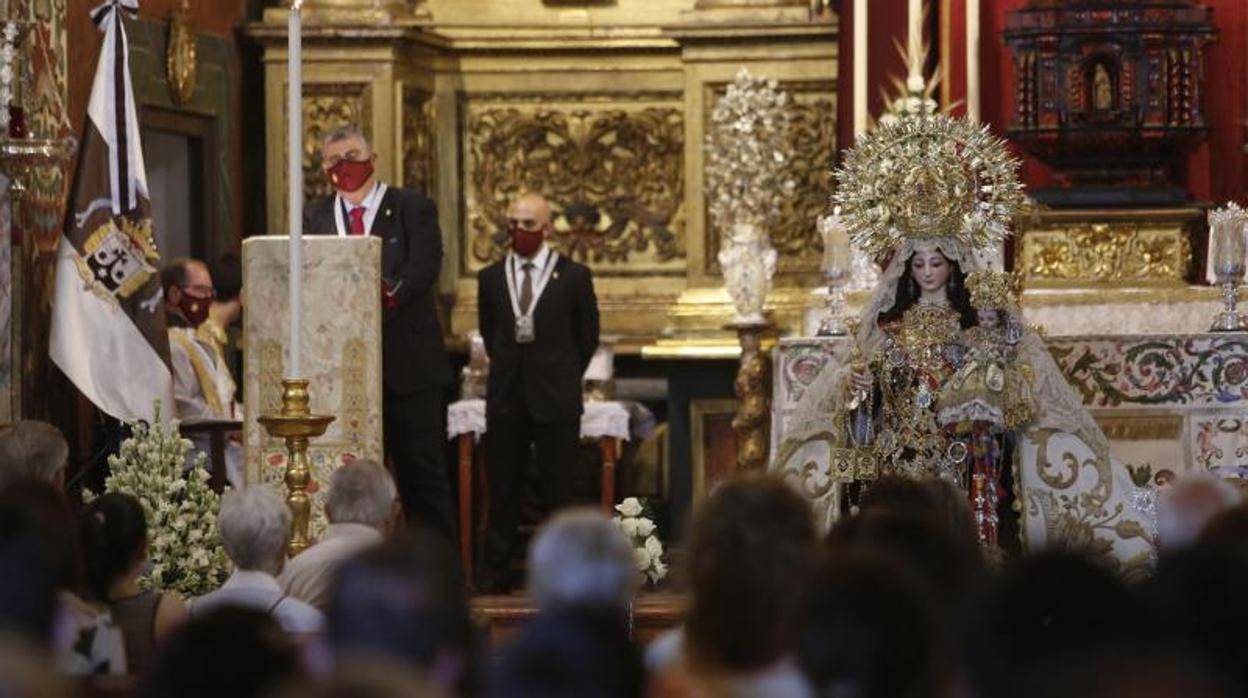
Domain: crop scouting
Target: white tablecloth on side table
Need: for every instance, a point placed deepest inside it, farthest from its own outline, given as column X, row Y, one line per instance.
column 600, row 419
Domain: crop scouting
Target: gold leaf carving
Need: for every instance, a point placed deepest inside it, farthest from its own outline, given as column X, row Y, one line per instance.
column 615, row 178
column 420, row 166
column 180, row 56
column 1122, row 252
column 327, row 106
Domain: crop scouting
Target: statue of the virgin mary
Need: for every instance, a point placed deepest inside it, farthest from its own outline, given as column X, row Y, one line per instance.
column 944, row 379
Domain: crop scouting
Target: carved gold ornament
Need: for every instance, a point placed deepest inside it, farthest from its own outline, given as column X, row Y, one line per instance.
column 615, row 178
column 420, row 162
column 1124, row 252
column 180, row 56
column 925, row 176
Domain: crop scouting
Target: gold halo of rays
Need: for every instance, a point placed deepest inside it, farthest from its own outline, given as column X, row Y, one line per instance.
column 925, row 176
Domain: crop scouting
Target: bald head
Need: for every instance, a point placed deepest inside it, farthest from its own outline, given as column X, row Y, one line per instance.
column 530, row 212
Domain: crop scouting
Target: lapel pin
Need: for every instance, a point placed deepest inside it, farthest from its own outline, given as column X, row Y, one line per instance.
column 556, row 275
column 387, row 213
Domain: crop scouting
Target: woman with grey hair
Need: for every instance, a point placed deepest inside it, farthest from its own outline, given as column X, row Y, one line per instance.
column 581, row 560
column 254, row 524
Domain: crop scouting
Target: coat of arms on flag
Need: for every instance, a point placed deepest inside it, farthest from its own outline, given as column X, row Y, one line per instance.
column 118, row 257
column 108, row 321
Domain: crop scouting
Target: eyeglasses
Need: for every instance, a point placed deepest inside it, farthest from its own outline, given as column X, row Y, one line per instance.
column 200, row 291
column 353, row 155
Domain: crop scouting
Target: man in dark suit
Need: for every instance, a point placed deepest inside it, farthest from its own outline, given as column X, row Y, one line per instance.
column 415, row 367
column 539, row 318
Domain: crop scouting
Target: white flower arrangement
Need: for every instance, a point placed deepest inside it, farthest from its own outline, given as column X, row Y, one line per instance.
column 641, row 532
column 183, row 546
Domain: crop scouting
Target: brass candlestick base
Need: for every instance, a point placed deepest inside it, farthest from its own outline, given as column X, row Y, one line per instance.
column 296, row 424
column 752, row 423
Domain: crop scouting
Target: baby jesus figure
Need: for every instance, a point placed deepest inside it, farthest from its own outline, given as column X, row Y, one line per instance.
column 987, row 399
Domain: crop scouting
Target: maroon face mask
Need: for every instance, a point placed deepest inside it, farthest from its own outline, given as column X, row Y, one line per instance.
column 350, row 175
column 194, row 308
column 524, row 242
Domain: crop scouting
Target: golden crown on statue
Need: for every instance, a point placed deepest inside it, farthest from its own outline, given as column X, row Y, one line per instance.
column 992, row 290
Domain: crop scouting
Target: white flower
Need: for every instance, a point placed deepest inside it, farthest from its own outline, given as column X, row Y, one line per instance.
column 643, row 559
column 645, row 527
column 629, row 527
column 629, row 507
column 653, row 546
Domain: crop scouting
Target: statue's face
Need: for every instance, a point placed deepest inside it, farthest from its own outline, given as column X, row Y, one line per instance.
column 930, row 270
column 988, row 317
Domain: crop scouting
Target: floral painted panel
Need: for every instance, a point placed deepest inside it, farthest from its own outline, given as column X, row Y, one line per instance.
column 1204, row 370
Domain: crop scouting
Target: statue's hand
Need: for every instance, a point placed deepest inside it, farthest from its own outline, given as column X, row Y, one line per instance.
column 860, row 381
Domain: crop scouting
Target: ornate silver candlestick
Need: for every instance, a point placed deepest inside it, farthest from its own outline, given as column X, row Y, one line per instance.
column 833, row 324
column 1226, row 233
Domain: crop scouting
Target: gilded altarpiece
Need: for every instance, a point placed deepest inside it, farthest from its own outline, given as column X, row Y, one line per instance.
column 612, row 168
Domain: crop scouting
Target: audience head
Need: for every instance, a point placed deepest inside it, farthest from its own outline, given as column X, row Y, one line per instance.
column 361, row 492
column 933, row 500
column 113, row 532
column 569, row 655
column 403, row 600
column 254, row 524
column 188, row 289
column 1228, row 530
column 751, row 548
column 38, row 556
column 367, row 679
column 581, row 559
column 1197, row 593
column 229, row 651
column 34, row 449
column 1187, row 505
column 1048, row 610
column 871, row 630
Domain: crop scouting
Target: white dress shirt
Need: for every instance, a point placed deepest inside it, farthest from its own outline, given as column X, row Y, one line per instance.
column 371, row 204
column 260, row 590
column 309, row 575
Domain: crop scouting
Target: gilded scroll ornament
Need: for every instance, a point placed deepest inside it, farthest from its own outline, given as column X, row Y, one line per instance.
column 325, row 107
column 180, row 56
column 1121, row 252
column 614, row 176
column 420, row 163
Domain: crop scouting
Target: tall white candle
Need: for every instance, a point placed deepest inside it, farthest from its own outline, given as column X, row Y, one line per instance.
column 915, row 39
column 294, row 148
column 860, row 67
column 972, row 60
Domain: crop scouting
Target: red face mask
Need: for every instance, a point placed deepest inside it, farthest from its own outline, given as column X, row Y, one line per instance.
column 195, row 309
column 525, row 242
column 350, row 175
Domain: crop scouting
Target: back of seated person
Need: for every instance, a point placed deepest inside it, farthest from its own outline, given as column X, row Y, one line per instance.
column 254, row 524
column 404, row 600
column 228, row 652
column 580, row 559
column 113, row 532
column 31, row 448
column 569, row 654
column 361, row 507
